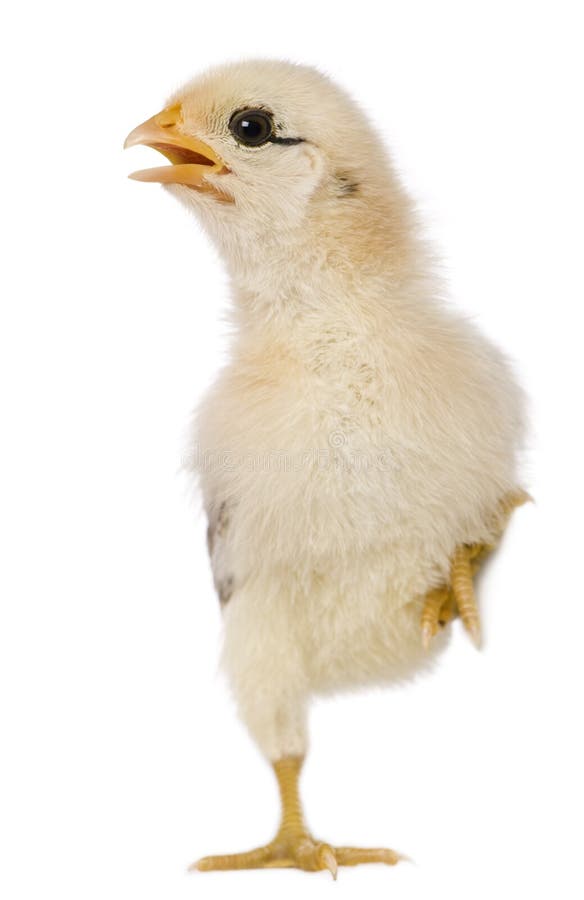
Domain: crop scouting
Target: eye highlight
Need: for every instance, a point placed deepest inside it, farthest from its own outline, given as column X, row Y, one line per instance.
column 252, row 127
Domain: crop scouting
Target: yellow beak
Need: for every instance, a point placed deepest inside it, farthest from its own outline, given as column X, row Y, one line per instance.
column 192, row 160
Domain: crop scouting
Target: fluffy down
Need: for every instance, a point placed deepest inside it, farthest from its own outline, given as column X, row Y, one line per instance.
column 361, row 429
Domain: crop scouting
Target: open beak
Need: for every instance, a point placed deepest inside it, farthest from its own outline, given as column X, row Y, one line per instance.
column 192, row 160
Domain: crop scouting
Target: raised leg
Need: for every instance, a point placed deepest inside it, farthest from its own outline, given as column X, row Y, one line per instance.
column 293, row 845
column 463, row 591
column 443, row 603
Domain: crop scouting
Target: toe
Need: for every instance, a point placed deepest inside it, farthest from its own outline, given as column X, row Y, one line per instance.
column 353, row 856
column 252, row 859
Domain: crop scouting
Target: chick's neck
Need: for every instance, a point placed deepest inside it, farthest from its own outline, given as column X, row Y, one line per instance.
column 342, row 262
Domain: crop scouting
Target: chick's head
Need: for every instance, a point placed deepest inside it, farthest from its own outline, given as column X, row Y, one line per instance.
column 259, row 144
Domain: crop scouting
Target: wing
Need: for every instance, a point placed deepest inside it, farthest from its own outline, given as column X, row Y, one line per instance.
column 218, row 546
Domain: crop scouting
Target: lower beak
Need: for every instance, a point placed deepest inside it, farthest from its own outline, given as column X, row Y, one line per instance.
column 192, row 160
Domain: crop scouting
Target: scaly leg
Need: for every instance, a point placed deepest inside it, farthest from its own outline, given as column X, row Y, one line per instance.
column 442, row 603
column 293, row 845
column 461, row 573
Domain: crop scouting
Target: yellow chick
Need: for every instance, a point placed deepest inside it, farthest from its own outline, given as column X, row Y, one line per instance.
column 358, row 454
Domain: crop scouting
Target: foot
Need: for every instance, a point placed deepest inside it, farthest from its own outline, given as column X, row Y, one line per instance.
column 298, row 851
column 458, row 597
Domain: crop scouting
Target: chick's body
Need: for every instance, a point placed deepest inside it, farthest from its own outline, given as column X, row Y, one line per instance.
column 362, row 430
column 346, row 456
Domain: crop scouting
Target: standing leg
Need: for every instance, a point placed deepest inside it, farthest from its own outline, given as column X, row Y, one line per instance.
column 264, row 656
column 293, row 845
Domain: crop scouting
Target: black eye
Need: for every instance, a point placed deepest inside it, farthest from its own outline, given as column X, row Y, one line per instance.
column 252, row 127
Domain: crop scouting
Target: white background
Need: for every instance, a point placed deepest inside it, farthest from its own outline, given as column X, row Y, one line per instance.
column 123, row 759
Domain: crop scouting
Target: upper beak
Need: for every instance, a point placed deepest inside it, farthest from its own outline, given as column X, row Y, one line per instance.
column 191, row 159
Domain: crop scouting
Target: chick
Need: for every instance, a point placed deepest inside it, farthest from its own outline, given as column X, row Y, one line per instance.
column 358, row 454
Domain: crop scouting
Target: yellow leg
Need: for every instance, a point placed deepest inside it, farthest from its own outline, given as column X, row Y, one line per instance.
column 293, row 845
column 442, row 603
column 463, row 591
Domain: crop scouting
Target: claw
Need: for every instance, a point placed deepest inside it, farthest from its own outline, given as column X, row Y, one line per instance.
column 473, row 629
column 392, row 858
column 428, row 633
column 329, row 860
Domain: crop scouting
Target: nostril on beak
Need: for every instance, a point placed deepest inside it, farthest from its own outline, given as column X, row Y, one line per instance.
column 169, row 117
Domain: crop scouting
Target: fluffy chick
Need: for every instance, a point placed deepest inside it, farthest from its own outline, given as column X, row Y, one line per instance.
column 358, row 453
